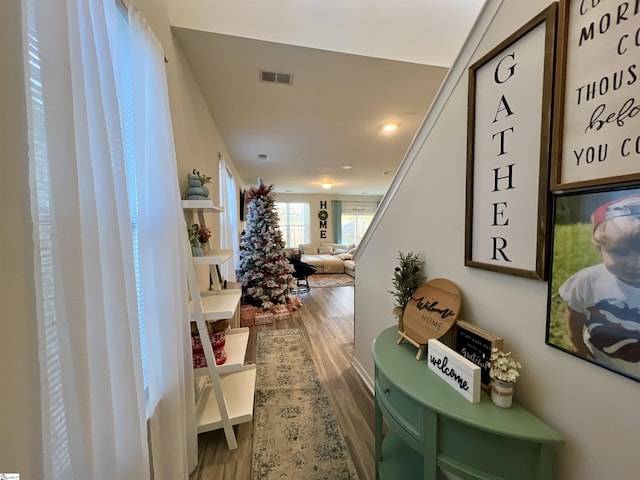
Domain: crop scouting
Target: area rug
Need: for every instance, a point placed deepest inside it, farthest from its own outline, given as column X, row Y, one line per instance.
column 296, row 434
column 319, row 280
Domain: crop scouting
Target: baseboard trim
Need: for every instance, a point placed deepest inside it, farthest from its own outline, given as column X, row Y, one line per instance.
column 368, row 381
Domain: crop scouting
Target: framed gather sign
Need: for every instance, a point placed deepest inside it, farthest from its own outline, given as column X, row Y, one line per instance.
column 596, row 121
column 508, row 148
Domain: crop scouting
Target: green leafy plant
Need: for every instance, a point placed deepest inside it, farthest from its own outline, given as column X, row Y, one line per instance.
column 503, row 366
column 407, row 277
column 193, row 235
column 203, row 178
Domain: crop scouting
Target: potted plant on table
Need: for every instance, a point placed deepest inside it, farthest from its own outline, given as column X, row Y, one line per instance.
column 503, row 373
column 407, row 277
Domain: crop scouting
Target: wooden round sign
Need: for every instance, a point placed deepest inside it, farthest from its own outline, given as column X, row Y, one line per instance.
column 432, row 310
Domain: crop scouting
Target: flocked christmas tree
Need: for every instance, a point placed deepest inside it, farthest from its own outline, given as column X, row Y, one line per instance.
column 264, row 270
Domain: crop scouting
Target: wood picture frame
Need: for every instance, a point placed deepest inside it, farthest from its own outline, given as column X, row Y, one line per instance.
column 508, row 145
column 475, row 344
column 594, row 291
column 596, row 126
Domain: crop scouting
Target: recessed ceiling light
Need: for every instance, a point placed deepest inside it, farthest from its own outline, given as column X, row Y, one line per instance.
column 326, row 185
column 346, row 167
column 389, row 127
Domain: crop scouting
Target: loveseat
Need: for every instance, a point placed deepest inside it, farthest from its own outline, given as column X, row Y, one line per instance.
column 329, row 257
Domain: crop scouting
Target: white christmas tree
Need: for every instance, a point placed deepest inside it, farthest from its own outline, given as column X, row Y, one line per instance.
column 264, row 270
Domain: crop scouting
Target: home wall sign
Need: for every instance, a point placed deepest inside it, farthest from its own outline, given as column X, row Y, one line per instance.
column 461, row 374
column 597, row 137
column 475, row 344
column 430, row 313
column 323, row 215
column 508, row 147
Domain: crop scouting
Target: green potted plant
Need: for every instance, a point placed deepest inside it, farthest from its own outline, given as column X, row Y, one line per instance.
column 407, row 277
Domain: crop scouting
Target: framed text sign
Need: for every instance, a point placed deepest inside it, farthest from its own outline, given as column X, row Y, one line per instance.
column 508, row 149
column 475, row 344
column 596, row 121
column 461, row 374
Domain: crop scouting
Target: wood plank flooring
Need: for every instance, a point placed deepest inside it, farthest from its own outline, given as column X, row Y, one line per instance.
column 326, row 320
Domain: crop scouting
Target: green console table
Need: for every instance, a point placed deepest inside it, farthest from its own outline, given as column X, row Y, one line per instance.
column 433, row 428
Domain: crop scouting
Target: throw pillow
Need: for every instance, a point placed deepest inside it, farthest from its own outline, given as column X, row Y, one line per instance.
column 345, row 256
column 310, row 250
column 351, row 251
column 339, row 250
column 325, row 250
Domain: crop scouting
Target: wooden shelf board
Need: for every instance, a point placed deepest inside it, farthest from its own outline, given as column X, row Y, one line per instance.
column 236, row 348
column 215, row 257
column 399, row 460
column 218, row 307
column 239, row 389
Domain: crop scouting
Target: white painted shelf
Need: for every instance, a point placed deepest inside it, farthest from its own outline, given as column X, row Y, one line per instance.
column 239, row 390
column 236, row 348
column 220, row 305
column 225, row 393
column 201, row 206
column 215, row 257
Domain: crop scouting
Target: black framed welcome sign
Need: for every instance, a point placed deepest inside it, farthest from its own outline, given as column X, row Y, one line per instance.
column 508, row 151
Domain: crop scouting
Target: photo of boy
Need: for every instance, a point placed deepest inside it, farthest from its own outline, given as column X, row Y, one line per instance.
column 602, row 301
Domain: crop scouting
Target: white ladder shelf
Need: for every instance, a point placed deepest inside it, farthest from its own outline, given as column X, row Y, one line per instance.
column 225, row 393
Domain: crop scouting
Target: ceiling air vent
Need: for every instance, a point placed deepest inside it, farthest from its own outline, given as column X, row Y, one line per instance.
column 263, row 156
column 276, row 78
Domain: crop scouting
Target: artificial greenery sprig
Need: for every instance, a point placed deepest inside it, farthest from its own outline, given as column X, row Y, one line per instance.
column 407, row 277
column 503, row 366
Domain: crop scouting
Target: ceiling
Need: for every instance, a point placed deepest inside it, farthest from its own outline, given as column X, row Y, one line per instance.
column 329, row 118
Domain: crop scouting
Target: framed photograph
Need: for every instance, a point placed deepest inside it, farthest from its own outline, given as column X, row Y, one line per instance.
column 594, row 292
column 596, row 137
column 508, row 148
column 475, row 344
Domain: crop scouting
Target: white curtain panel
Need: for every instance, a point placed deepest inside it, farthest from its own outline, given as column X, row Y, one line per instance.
column 93, row 410
column 162, row 263
column 93, row 401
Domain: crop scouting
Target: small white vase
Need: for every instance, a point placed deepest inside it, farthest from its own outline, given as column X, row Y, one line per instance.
column 501, row 393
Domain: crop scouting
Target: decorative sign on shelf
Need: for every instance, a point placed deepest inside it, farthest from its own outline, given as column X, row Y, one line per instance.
column 461, row 374
column 430, row 313
column 475, row 345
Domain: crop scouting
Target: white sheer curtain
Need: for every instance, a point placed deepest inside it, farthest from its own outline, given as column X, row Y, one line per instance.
column 162, row 262
column 228, row 223
column 92, row 392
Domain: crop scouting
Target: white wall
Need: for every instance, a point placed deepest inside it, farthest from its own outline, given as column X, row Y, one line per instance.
column 314, row 207
column 596, row 410
column 20, row 431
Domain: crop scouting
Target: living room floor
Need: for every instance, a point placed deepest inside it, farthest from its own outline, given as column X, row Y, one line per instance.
column 326, row 320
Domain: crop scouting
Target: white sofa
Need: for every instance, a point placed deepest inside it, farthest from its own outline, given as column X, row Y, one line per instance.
column 329, row 257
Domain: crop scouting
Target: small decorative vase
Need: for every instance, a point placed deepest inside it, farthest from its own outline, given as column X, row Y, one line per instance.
column 205, row 248
column 196, row 251
column 501, row 393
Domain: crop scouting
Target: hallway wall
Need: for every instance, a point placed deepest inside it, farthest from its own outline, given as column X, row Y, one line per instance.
column 595, row 409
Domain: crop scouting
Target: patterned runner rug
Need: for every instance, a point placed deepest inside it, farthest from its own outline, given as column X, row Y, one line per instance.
column 330, row 280
column 296, row 434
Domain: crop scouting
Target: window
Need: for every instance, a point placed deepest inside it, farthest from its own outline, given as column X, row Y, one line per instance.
column 355, row 219
column 125, row 101
column 294, row 222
